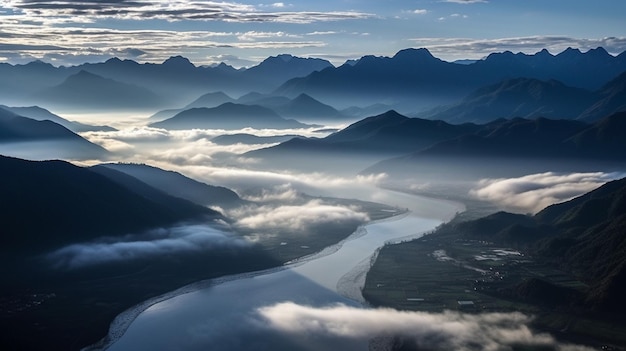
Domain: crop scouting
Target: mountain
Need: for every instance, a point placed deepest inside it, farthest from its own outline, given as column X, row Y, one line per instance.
column 19, row 82
column 175, row 184
column 276, row 70
column 210, row 100
column 361, row 143
column 520, row 97
column 414, row 80
column 386, row 133
column 585, row 236
column 605, row 139
column 25, row 137
column 412, row 74
column 307, row 109
column 609, row 99
column 41, row 114
column 48, row 204
column 206, row 100
column 302, row 108
column 508, row 147
column 228, row 116
column 91, row 91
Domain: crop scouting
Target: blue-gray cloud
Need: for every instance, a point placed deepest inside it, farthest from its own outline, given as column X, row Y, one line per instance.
column 173, row 11
column 165, row 241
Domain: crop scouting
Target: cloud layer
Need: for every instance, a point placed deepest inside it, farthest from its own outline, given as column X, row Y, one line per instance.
column 155, row 243
column 176, row 10
column 296, row 218
column 532, row 193
column 432, row 331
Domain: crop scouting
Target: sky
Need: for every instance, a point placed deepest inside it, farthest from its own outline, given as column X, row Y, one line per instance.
column 243, row 33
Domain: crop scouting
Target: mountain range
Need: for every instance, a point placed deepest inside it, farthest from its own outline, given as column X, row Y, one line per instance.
column 532, row 145
column 173, row 80
column 228, row 116
column 410, row 145
column 90, row 91
column 302, row 108
column 532, row 98
column 412, row 80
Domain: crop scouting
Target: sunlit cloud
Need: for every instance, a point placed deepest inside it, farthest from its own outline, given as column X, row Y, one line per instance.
column 433, row 331
column 328, row 32
column 532, row 193
column 297, row 218
column 284, row 192
column 255, row 35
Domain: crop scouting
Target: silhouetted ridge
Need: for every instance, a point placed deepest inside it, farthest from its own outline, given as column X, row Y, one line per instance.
column 21, row 136
column 227, row 116
column 48, row 204
column 175, row 184
column 90, row 90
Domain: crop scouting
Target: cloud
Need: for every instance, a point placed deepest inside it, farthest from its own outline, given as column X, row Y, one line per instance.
column 179, row 146
column 295, row 217
column 328, row 32
column 284, row 192
column 433, row 331
column 155, row 243
column 534, row 192
column 255, row 35
column 419, row 12
column 479, row 48
column 177, row 10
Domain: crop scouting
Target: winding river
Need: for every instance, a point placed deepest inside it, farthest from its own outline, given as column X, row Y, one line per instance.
column 223, row 314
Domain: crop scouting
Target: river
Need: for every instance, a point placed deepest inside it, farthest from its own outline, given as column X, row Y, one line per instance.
column 223, row 314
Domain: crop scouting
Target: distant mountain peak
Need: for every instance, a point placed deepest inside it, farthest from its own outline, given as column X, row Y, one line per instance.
column 285, row 57
column 113, row 60
column 84, row 74
column 39, row 63
column 414, row 54
column 544, row 53
column 178, row 61
column 598, row 52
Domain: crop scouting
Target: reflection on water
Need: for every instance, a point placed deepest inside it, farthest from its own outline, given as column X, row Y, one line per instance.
column 224, row 316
